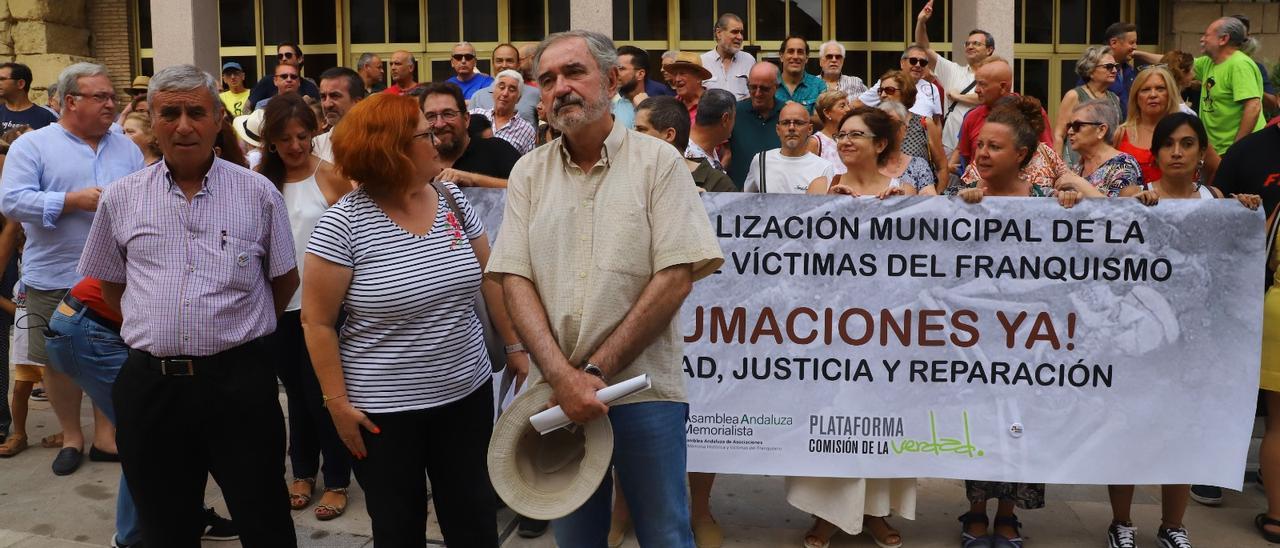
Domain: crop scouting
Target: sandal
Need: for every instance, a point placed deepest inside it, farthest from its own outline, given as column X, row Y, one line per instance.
column 1261, row 521
column 14, row 444
column 891, row 538
column 1001, row 541
column 814, row 540
column 325, row 511
column 53, row 441
column 967, row 539
column 298, row 501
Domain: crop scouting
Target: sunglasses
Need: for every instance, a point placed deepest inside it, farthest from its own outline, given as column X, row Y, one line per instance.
column 917, row 62
column 1076, row 126
column 285, row 55
column 753, row 88
column 889, row 90
column 464, row 57
column 1110, row 67
column 288, row 76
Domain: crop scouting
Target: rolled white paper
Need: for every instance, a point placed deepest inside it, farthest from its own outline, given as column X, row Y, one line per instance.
column 554, row 418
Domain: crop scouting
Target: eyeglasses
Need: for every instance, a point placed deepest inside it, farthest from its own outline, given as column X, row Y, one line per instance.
column 288, row 76
column 1109, row 67
column 753, row 88
column 1076, row 126
column 793, row 123
column 917, row 62
column 850, row 135
column 99, row 97
column 833, row 57
column 285, row 55
column 429, row 134
column 975, row 43
column 464, row 57
column 889, row 90
column 448, row 116
column 3, row 78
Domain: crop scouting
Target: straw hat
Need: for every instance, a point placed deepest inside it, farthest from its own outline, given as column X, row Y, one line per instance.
column 139, row 85
column 249, row 127
column 546, row 476
column 687, row 60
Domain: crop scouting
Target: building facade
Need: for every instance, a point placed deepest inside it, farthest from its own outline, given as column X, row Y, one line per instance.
column 1047, row 35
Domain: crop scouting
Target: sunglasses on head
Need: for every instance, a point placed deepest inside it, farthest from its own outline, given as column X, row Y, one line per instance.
column 917, row 62
column 464, row 57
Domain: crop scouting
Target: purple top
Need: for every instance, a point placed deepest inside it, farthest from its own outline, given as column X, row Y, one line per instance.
column 198, row 272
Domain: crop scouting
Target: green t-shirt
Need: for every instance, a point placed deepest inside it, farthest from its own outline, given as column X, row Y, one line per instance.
column 234, row 102
column 1223, row 89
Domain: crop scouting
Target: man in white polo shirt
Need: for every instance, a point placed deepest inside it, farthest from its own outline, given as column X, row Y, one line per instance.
column 956, row 80
column 791, row 169
column 727, row 62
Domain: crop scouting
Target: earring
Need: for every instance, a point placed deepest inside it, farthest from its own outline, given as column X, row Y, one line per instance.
column 271, row 148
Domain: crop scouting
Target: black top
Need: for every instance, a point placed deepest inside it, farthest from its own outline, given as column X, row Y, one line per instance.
column 493, row 157
column 35, row 116
column 1251, row 166
column 266, row 89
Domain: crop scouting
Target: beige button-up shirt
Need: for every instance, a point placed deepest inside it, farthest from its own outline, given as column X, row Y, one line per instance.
column 591, row 242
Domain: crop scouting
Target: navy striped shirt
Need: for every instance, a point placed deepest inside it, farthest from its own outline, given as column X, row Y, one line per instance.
column 411, row 339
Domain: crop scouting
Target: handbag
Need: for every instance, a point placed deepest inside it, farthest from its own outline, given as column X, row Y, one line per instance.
column 493, row 343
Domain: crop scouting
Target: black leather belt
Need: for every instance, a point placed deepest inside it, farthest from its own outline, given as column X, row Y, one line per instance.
column 188, row 366
column 78, row 306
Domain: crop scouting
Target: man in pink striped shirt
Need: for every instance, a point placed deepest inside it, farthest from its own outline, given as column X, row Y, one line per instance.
column 197, row 254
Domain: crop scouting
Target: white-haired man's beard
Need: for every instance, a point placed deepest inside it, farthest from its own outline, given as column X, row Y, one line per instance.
column 586, row 112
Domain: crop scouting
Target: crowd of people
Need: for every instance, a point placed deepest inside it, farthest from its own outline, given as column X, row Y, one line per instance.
column 180, row 255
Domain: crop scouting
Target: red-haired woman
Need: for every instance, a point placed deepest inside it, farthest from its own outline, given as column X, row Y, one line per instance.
column 407, row 381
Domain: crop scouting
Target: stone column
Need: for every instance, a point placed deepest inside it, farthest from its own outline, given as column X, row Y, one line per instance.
column 185, row 31
column 591, row 15
column 993, row 16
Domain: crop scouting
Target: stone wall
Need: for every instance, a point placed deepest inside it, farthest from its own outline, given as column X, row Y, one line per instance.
column 111, row 42
column 1190, row 18
column 48, row 35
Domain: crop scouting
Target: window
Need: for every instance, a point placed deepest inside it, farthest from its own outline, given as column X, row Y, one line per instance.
column 403, row 22
column 442, row 21
column 279, row 22
column 235, row 23
column 479, row 21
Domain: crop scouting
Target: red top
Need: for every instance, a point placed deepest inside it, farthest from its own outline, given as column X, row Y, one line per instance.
column 395, row 89
column 89, row 292
column 1146, row 159
column 973, row 122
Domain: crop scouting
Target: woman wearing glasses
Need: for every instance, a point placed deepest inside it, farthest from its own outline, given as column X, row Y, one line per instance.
column 409, row 368
column 1098, row 69
column 923, row 138
column 1107, row 170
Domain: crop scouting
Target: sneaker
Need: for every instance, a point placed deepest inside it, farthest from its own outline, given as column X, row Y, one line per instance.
column 1173, row 538
column 531, row 528
column 1207, row 495
column 217, row 527
column 39, row 394
column 1121, row 536
column 115, row 543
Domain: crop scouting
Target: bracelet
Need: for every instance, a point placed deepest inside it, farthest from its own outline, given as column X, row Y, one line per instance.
column 326, row 399
column 514, row 348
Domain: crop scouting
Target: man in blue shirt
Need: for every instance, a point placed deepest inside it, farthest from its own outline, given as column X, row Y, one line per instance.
column 794, row 84
column 16, row 108
column 755, row 121
column 51, row 182
column 464, row 67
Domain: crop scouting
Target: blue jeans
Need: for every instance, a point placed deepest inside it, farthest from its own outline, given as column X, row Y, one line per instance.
column 649, row 457
column 92, row 355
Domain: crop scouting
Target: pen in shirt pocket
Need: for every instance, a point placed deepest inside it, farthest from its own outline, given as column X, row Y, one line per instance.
column 224, row 239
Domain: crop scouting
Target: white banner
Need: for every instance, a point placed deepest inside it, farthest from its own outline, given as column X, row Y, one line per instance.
column 1010, row 341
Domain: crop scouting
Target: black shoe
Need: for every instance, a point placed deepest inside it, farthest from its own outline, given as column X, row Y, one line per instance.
column 1173, row 538
column 38, row 394
column 1207, row 495
column 67, row 461
column 98, row 455
column 531, row 528
column 1120, row 535
column 217, row 527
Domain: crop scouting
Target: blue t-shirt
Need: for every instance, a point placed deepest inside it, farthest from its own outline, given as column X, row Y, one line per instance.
column 477, row 82
column 33, row 116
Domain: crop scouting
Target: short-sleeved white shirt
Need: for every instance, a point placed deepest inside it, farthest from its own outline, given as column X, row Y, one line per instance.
column 954, row 78
column 787, row 174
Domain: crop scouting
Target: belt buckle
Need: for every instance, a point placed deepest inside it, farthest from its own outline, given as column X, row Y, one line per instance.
column 182, row 367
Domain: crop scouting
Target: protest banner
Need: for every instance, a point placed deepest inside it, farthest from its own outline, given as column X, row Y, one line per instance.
column 1011, row 340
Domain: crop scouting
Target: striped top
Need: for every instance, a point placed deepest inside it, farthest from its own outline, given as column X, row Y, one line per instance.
column 412, row 339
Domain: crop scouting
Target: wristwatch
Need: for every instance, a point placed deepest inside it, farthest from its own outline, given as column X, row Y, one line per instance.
column 513, row 348
column 593, row 369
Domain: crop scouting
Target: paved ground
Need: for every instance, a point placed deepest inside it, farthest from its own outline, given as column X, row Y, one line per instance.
column 38, row 509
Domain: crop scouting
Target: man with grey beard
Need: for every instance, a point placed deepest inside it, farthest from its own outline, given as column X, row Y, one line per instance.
column 601, row 241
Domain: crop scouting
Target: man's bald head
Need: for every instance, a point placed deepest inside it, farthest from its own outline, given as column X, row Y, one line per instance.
column 403, row 68
column 762, row 83
column 793, row 110
column 993, row 80
column 763, row 71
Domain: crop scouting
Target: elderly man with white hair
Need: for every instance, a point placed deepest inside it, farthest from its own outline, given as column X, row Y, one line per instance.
column 831, row 59
column 508, row 86
column 1231, row 85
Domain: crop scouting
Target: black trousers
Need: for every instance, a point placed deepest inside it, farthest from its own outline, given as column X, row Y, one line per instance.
column 311, row 431
column 447, row 444
column 172, row 432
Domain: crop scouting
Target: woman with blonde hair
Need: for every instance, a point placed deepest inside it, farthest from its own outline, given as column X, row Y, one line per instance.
column 137, row 126
column 830, row 108
column 1154, row 95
